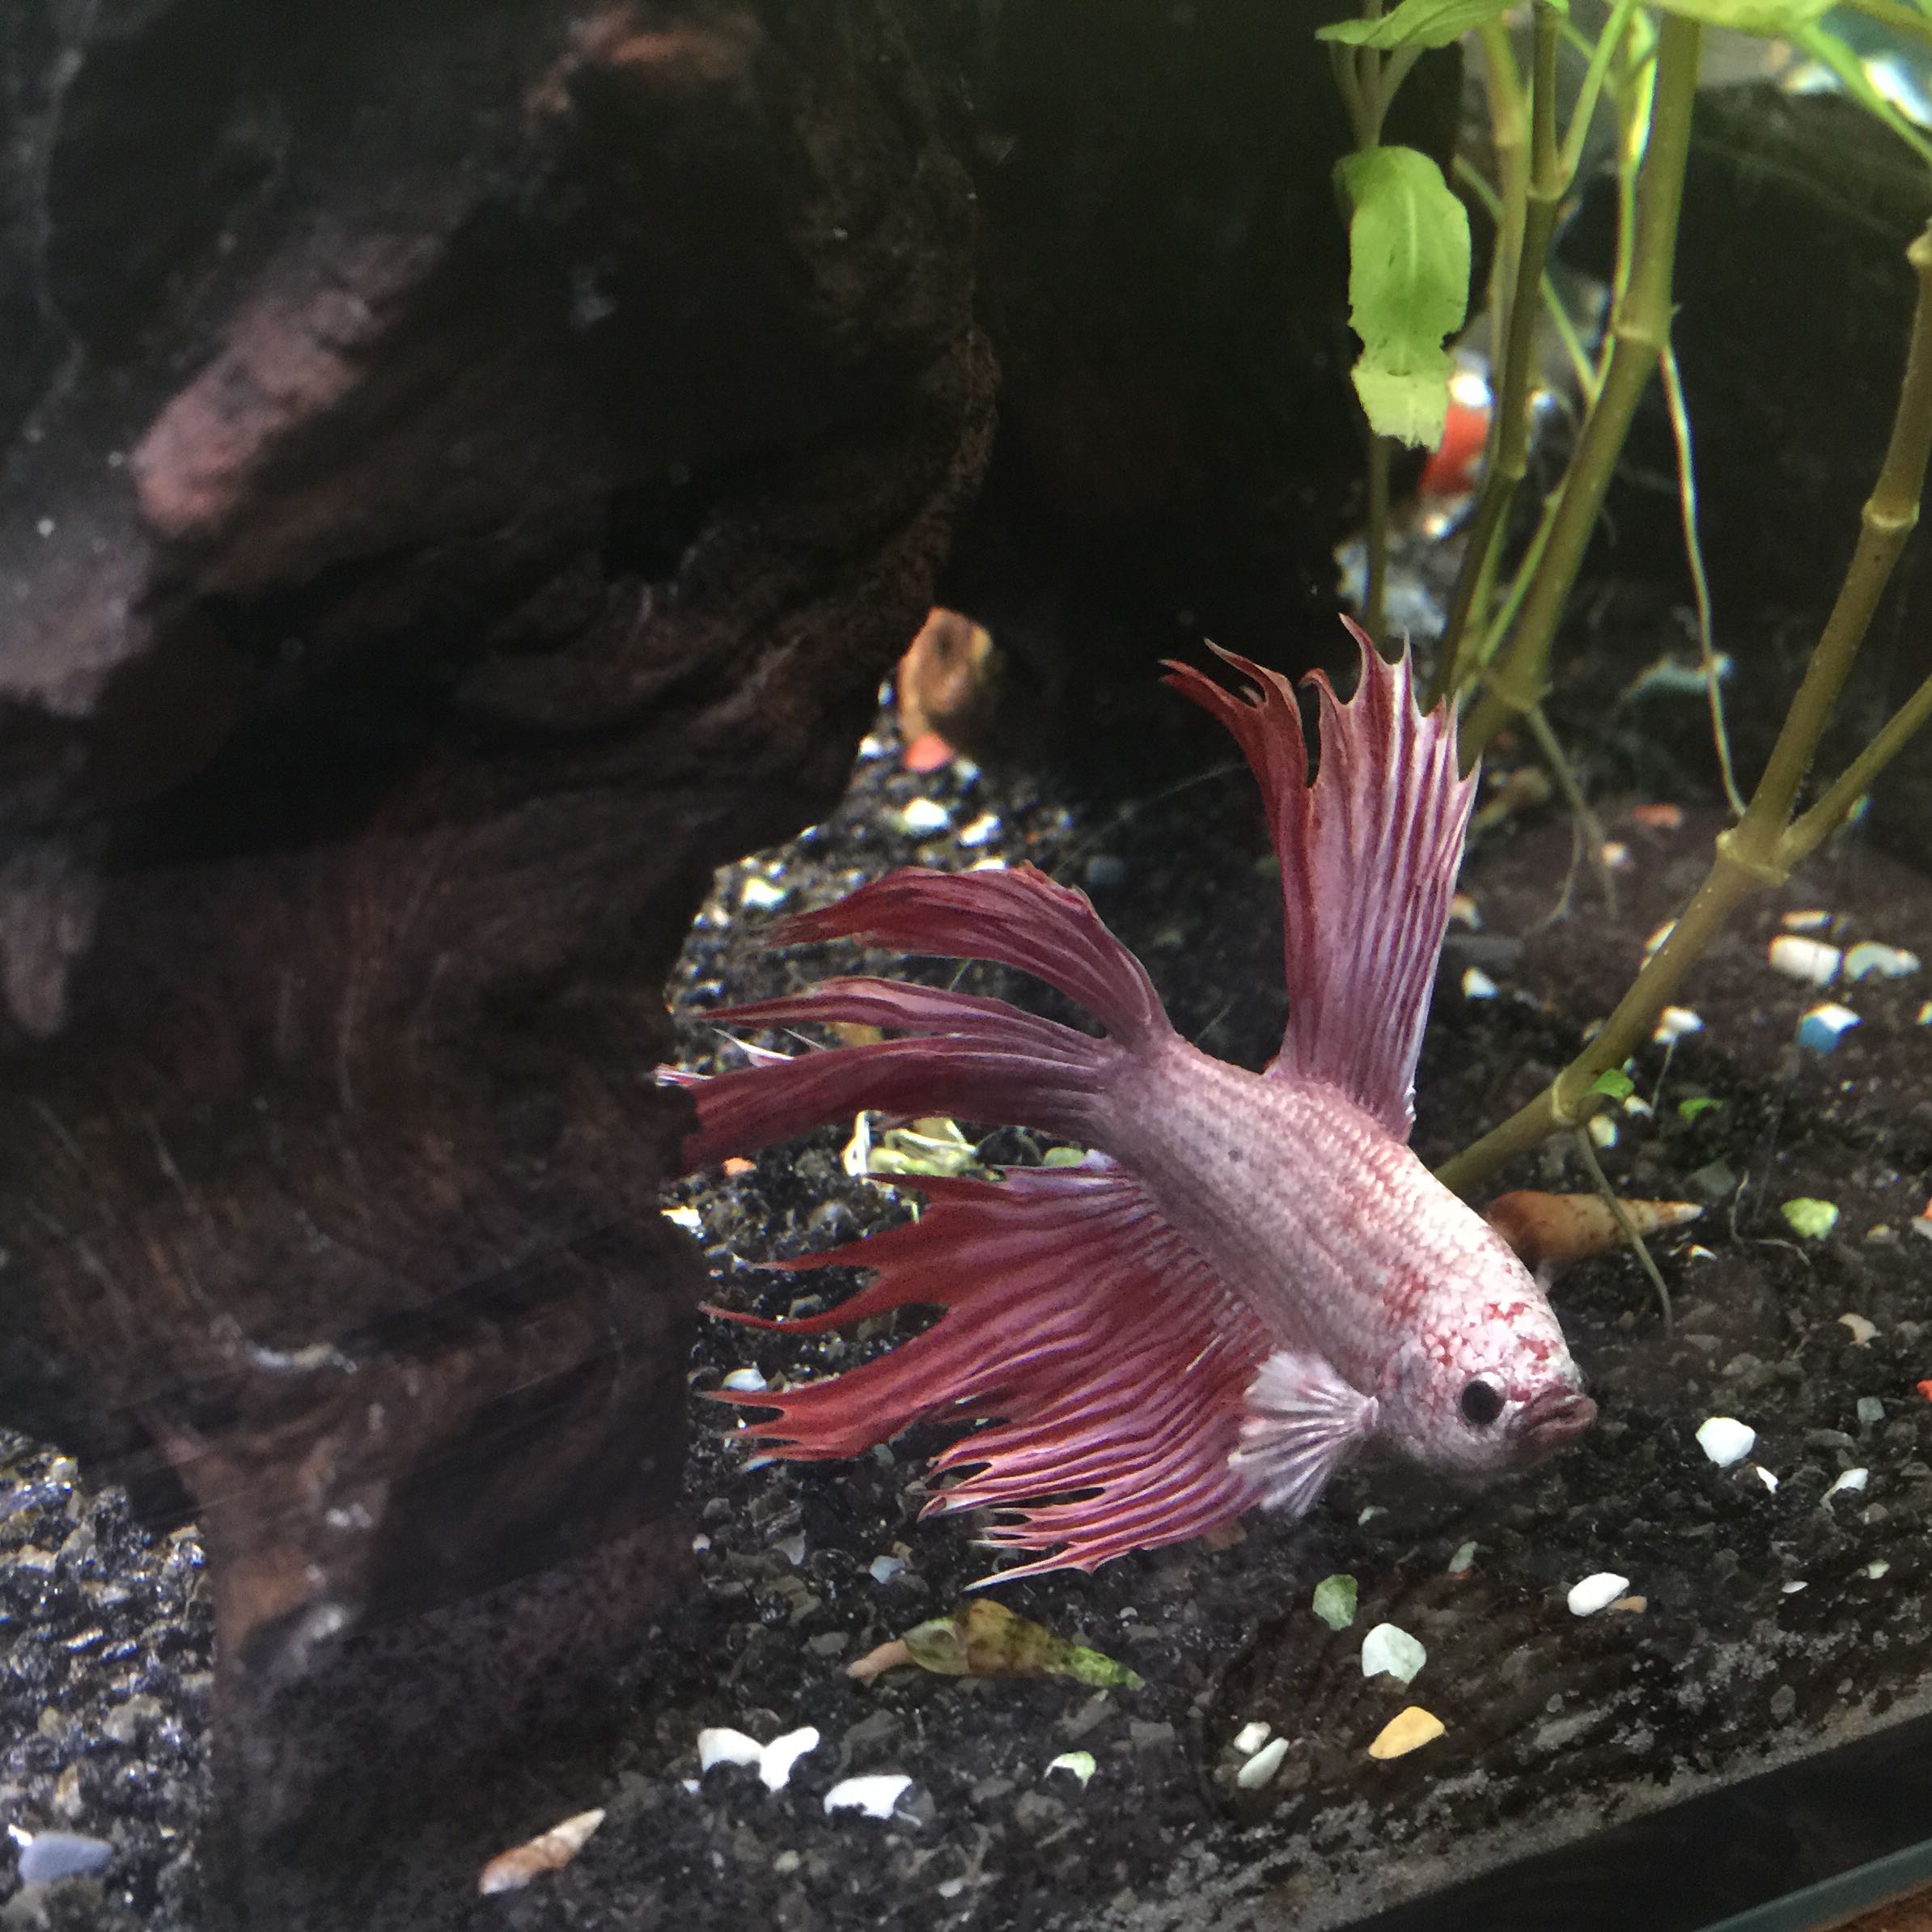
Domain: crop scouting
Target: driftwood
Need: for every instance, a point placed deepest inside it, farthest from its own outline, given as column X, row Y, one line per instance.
column 463, row 469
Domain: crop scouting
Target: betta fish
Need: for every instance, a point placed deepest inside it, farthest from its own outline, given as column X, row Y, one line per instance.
column 1251, row 1278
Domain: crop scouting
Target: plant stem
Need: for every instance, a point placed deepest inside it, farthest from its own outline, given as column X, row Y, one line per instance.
column 1640, row 330
column 1590, row 828
column 1510, row 423
column 1626, row 1226
column 1508, row 140
column 1889, row 516
column 1693, row 553
column 1761, row 849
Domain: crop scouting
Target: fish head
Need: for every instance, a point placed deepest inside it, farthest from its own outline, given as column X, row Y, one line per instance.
column 1485, row 1384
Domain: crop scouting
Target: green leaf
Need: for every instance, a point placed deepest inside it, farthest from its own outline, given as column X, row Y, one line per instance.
column 1614, row 1083
column 1813, row 1219
column 1335, row 1601
column 1418, row 24
column 1689, row 1110
column 1775, row 19
column 1408, row 287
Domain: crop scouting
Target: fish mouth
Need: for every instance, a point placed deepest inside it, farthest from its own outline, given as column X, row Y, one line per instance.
column 1554, row 1418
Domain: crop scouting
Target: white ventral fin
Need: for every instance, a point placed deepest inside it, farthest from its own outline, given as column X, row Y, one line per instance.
column 1303, row 1422
column 1368, row 855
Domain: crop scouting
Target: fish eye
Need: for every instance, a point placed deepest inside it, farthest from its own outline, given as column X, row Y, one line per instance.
column 1481, row 1401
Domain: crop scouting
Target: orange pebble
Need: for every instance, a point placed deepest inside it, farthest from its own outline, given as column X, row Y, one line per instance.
column 927, row 752
column 1662, row 818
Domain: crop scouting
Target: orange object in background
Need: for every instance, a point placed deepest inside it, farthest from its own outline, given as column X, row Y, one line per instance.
column 945, row 687
column 1455, row 465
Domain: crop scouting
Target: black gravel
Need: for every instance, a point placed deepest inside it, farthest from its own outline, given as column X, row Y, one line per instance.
column 1554, row 1722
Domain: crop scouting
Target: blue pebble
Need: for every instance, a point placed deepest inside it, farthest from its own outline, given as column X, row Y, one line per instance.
column 50, row 1856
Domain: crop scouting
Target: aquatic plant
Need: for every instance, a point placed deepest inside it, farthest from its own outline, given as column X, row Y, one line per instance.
column 1493, row 657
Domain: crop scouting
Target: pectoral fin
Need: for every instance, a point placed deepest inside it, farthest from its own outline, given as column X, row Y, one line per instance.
column 1303, row 1422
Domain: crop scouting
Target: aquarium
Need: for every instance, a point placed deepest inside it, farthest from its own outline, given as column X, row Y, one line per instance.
column 965, row 965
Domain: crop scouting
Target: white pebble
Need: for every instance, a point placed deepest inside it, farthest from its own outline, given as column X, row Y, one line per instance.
column 759, row 895
column 1811, row 962
column 1389, row 1651
column 923, row 816
column 1596, row 1593
column 875, row 1794
column 1725, row 1440
column 1862, row 1330
column 688, row 1218
column 1887, row 962
column 1792, row 1589
column 1765, row 1478
column 1477, row 985
column 1851, row 1483
column 1673, row 1022
column 882, row 1569
column 1877, row 1568
column 1250, row 1738
column 1872, row 1410
column 1076, row 1764
column 727, row 1747
column 747, row 1381
column 1602, row 1130
column 1262, row 1766
column 776, row 1758
column 984, row 827
column 1810, row 920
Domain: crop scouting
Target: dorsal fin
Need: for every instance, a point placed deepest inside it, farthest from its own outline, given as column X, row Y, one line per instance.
column 1368, row 855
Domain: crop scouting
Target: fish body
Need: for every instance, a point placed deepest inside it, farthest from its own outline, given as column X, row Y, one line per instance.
column 1253, row 1278
column 1355, row 1259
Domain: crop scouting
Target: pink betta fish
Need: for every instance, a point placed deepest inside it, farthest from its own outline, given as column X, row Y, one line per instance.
column 1251, row 1279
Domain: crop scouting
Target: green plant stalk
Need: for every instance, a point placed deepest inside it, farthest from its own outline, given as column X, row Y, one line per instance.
column 1625, row 1225
column 1762, row 848
column 1580, row 367
column 1509, row 420
column 1509, row 138
column 1589, row 827
column 1639, row 331
column 1582, row 112
column 1693, row 552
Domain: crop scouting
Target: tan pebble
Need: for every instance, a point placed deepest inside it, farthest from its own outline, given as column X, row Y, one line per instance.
column 1636, row 1605
column 1407, row 1731
column 548, row 1851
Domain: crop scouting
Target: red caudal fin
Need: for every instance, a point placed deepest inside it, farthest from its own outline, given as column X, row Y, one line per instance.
column 1368, row 856
column 977, row 1057
column 1102, row 1360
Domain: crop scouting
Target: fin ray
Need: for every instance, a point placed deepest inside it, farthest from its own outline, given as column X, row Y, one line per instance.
column 1368, row 856
column 1107, row 1367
